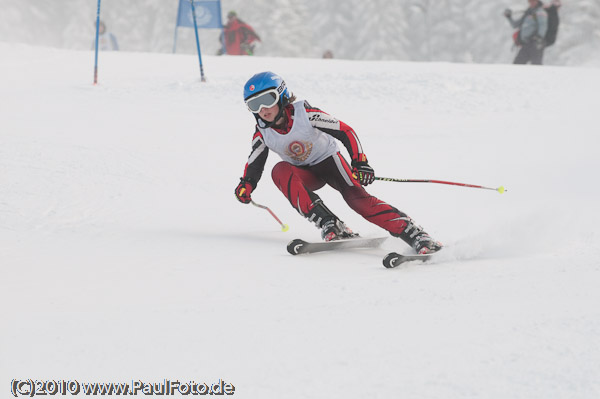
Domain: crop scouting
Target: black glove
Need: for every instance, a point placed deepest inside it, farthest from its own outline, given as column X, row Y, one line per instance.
column 508, row 13
column 363, row 172
column 243, row 190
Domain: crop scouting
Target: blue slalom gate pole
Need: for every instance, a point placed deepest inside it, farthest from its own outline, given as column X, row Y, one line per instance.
column 197, row 42
column 97, row 36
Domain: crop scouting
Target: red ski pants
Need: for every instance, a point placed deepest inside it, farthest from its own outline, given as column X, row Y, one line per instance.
column 298, row 184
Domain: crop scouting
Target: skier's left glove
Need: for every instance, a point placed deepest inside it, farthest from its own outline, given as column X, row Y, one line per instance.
column 363, row 172
column 243, row 190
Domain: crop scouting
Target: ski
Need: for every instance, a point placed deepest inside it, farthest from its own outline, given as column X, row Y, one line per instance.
column 394, row 259
column 298, row 246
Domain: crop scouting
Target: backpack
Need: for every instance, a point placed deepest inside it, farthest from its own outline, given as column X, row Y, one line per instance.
column 551, row 33
column 553, row 22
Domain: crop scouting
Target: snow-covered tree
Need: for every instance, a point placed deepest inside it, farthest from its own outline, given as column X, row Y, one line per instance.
column 380, row 30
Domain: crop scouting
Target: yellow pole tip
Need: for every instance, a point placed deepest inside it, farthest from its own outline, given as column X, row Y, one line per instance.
column 501, row 189
column 285, row 227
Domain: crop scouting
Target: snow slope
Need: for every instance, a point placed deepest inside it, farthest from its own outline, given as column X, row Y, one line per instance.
column 125, row 256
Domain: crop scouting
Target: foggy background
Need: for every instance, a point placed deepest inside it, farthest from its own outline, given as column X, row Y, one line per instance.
column 409, row 30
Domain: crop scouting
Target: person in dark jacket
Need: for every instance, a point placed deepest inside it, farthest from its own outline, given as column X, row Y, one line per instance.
column 531, row 29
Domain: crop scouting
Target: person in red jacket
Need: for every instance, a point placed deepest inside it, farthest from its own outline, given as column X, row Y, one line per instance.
column 306, row 139
column 239, row 37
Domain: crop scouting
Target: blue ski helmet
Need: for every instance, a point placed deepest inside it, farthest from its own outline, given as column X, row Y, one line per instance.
column 264, row 81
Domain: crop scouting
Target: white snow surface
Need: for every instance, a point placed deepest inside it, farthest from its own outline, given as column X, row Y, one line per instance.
column 125, row 256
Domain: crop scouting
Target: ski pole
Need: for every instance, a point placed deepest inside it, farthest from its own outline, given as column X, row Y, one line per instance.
column 500, row 189
column 284, row 227
column 202, row 78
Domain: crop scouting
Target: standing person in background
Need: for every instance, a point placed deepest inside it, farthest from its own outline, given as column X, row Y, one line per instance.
column 531, row 30
column 240, row 38
column 106, row 40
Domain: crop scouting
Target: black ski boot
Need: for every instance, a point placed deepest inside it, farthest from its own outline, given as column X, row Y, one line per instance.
column 335, row 229
column 424, row 244
column 419, row 240
column 331, row 227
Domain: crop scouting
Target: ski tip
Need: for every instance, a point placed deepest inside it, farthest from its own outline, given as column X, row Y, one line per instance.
column 295, row 246
column 394, row 259
column 391, row 260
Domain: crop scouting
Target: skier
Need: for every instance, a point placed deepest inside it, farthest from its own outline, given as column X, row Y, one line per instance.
column 239, row 37
column 304, row 137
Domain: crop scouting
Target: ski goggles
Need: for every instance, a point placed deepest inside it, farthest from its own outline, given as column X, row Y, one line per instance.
column 266, row 99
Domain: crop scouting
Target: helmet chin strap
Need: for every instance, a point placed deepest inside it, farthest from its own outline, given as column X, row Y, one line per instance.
column 277, row 117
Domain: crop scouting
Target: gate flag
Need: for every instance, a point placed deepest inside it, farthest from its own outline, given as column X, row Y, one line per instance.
column 208, row 14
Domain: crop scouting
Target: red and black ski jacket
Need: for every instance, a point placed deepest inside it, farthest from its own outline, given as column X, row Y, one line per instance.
column 319, row 120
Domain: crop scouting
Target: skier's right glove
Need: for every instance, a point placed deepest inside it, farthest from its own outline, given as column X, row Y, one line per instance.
column 243, row 190
column 508, row 13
